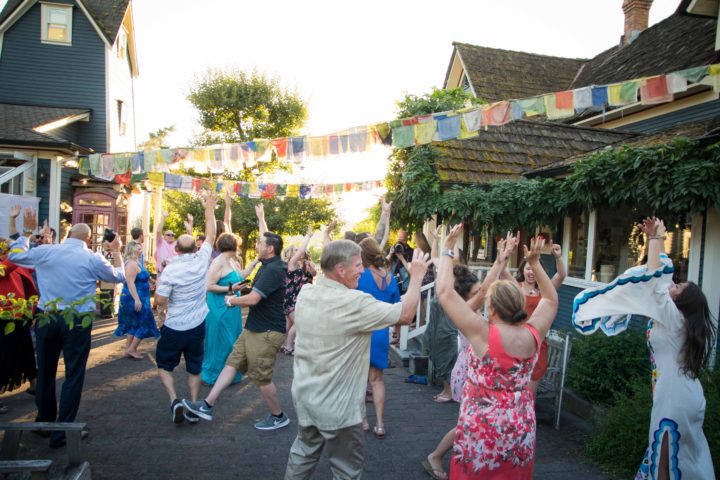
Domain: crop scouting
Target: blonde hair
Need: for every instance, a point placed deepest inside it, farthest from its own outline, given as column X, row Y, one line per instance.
column 371, row 253
column 507, row 300
column 421, row 242
column 131, row 250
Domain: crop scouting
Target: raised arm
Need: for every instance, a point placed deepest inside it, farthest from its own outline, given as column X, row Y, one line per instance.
column 189, row 224
column 560, row 272
column 505, row 272
column 227, row 219
column 416, row 268
column 293, row 262
column 260, row 213
column 209, row 204
column 12, row 228
column 472, row 325
column 161, row 226
column 434, row 241
column 654, row 230
column 327, row 233
column 382, row 232
column 544, row 315
column 505, row 249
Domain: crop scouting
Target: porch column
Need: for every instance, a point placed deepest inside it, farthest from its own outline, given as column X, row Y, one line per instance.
column 145, row 224
column 54, row 200
column 711, row 265
column 157, row 204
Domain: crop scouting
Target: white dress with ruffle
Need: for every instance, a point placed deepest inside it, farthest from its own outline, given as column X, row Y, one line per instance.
column 678, row 400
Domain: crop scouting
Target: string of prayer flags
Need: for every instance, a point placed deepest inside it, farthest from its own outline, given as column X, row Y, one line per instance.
column 402, row 133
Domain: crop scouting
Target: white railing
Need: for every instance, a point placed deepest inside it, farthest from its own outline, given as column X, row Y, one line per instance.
column 408, row 332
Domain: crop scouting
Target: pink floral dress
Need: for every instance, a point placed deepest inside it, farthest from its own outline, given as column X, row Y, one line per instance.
column 496, row 430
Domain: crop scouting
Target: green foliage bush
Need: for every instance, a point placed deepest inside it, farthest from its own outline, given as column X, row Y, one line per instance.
column 602, row 367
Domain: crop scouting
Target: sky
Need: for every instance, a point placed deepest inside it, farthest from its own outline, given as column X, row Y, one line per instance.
column 350, row 61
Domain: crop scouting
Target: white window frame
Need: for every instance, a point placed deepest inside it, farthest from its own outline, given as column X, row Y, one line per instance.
column 121, row 44
column 45, row 22
column 122, row 117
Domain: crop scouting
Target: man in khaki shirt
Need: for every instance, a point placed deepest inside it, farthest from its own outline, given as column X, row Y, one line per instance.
column 334, row 322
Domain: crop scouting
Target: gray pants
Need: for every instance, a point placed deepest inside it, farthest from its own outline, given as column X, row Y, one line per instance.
column 345, row 452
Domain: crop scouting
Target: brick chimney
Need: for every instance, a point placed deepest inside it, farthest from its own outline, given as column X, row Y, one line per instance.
column 636, row 18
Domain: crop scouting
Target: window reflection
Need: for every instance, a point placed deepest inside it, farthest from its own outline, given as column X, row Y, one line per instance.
column 577, row 250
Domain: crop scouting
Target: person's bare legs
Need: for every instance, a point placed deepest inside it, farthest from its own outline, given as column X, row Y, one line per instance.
column 377, row 383
column 446, row 391
column 269, row 393
column 167, row 380
column 131, row 349
column 664, row 466
column 533, row 387
column 194, row 382
column 289, row 344
column 436, row 456
column 224, row 380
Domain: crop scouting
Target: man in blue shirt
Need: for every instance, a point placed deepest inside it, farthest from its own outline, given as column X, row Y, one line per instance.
column 66, row 273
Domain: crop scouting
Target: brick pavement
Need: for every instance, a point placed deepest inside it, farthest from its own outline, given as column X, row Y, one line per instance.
column 132, row 435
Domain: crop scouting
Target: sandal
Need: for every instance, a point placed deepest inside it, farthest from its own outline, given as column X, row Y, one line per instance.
column 442, row 399
column 379, row 431
column 287, row 351
column 437, row 474
column 366, row 427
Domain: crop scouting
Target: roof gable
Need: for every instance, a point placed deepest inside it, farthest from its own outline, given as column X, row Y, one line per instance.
column 497, row 74
column 676, row 43
column 106, row 14
column 509, row 151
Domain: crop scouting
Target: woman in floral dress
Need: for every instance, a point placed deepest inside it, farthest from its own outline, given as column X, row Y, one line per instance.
column 680, row 336
column 496, row 429
column 300, row 272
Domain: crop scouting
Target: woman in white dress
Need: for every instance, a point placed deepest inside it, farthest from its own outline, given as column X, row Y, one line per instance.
column 680, row 335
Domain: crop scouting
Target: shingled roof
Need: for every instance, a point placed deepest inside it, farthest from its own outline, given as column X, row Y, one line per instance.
column 676, row 43
column 17, row 123
column 497, row 74
column 508, row 151
column 107, row 14
column 703, row 129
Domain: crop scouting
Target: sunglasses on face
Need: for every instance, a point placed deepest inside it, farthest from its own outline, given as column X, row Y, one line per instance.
column 169, row 234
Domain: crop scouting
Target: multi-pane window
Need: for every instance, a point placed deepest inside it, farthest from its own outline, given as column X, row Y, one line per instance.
column 56, row 23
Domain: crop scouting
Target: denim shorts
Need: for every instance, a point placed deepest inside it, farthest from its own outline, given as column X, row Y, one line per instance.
column 188, row 343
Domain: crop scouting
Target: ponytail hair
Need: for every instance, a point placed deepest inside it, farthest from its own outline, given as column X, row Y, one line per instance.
column 371, row 253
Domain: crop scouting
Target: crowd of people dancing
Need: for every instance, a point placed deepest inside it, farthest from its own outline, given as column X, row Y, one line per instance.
column 339, row 326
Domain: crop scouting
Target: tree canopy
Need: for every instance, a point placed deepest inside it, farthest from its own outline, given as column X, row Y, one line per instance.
column 237, row 106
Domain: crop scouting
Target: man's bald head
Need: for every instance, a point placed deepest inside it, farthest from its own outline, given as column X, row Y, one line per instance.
column 185, row 244
column 80, row 231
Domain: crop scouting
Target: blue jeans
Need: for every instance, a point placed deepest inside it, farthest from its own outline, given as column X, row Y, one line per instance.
column 52, row 339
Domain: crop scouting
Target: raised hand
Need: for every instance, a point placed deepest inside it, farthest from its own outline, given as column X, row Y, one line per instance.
column 164, row 214
column 209, row 202
column 30, row 221
column 46, row 233
column 385, row 206
column 310, row 231
column 115, row 245
column 189, row 222
column 260, row 210
column 15, row 211
column 452, row 237
column 556, row 250
column 419, row 264
column 533, row 254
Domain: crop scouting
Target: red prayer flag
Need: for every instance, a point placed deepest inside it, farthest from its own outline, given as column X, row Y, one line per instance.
column 123, row 179
column 564, row 100
column 655, row 91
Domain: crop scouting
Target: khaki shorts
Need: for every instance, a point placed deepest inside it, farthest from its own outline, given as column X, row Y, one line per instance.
column 254, row 355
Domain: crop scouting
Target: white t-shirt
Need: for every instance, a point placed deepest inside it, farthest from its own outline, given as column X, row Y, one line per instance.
column 183, row 282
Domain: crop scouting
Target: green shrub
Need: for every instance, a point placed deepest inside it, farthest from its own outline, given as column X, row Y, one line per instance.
column 620, row 436
column 602, row 367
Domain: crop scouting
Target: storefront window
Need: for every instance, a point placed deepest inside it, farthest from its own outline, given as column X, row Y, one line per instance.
column 577, row 250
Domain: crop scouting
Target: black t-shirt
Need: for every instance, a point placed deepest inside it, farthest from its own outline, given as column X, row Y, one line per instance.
column 268, row 313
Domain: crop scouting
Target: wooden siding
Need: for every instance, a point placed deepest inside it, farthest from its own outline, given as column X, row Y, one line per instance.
column 42, row 189
column 33, row 73
column 695, row 113
column 66, row 190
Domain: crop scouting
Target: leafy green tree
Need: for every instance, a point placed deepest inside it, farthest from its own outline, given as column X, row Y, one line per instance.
column 284, row 216
column 412, row 178
column 158, row 139
column 237, row 106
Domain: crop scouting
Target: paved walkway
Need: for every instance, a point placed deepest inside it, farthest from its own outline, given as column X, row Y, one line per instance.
column 132, row 435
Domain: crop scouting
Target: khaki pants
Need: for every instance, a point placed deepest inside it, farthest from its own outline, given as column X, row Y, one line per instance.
column 345, row 452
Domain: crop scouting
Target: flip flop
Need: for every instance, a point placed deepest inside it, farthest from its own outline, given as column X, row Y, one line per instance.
column 442, row 399
column 379, row 431
column 436, row 474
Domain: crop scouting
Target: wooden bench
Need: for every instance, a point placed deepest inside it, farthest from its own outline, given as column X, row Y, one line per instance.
column 38, row 469
column 553, row 382
column 13, row 432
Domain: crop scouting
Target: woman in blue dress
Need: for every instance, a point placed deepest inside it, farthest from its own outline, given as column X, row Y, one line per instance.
column 223, row 325
column 135, row 317
column 378, row 282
